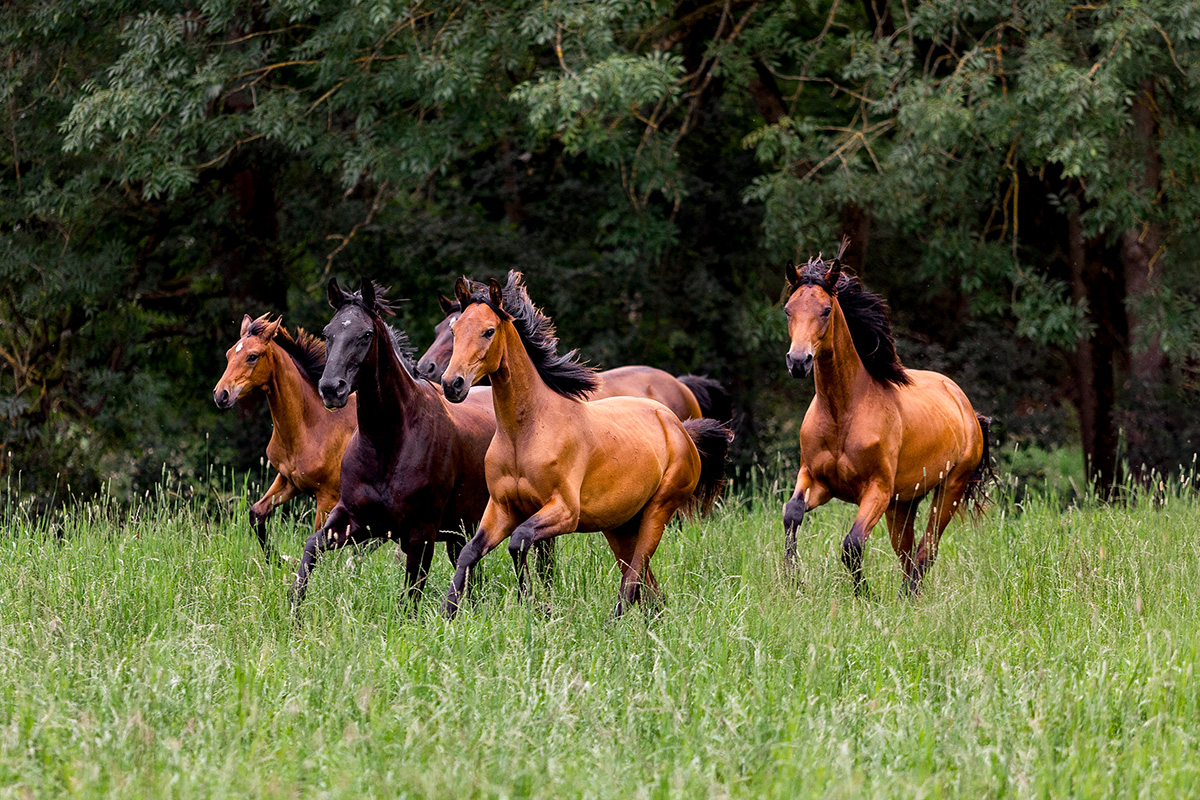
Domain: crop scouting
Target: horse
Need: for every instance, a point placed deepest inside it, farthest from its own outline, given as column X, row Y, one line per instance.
column 413, row 470
column 621, row 465
column 876, row 434
column 689, row 396
column 307, row 441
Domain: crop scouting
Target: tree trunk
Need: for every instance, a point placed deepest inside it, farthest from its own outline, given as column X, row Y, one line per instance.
column 1141, row 248
column 1093, row 359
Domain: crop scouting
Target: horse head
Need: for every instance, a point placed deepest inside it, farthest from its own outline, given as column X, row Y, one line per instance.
column 248, row 362
column 812, row 291
column 349, row 339
column 475, row 352
column 433, row 363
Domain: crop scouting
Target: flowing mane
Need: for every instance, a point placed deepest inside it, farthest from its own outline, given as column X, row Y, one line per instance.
column 306, row 350
column 565, row 374
column 405, row 350
column 866, row 316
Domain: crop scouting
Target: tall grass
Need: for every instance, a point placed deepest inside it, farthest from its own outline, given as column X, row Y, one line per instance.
column 149, row 651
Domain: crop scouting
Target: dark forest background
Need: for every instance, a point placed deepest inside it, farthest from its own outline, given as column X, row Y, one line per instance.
column 1018, row 179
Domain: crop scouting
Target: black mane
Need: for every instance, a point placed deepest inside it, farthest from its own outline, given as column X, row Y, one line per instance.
column 405, row 350
column 306, row 350
column 866, row 315
column 565, row 374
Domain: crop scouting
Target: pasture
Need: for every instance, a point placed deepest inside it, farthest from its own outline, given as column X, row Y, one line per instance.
column 152, row 652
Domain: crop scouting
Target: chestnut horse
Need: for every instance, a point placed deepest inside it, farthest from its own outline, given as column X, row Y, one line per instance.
column 413, row 471
column 689, row 396
column 622, row 465
column 876, row 434
column 306, row 440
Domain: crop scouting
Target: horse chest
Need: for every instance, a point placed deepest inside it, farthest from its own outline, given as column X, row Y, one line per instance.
column 835, row 458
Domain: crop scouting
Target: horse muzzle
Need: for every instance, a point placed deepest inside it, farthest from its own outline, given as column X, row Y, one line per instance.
column 334, row 394
column 224, row 398
column 427, row 370
column 455, row 389
column 799, row 366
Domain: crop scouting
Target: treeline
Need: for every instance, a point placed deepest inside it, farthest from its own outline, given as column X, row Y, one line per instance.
column 1019, row 179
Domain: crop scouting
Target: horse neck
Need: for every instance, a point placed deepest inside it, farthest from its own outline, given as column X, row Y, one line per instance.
column 388, row 396
column 292, row 399
column 839, row 370
column 518, row 392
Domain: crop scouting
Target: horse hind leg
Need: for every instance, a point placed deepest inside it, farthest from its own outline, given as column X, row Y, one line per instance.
column 636, row 554
column 901, row 521
column 946, row 499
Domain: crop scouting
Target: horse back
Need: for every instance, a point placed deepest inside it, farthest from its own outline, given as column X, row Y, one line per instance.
column 652, row 383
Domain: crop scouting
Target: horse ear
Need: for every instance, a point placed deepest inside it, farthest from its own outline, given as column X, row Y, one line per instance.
column 337, row 298
column 245, row 324
column 495, row 293
column 462, row 291
column 272, row 329
column 367, row 290
column 835, row 269
column 445, row 303
column 790, row 272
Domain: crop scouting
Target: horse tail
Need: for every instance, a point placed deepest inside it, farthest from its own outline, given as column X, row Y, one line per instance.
column 712, row 440
column 714, row 400
column 976, row 493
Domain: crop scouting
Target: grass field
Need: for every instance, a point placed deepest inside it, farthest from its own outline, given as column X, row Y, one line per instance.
column 151, row 653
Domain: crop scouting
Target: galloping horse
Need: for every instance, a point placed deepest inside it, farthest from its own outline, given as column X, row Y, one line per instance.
column 307, row 441
column 689, row 396
column 413, row 471
column 622, row 465
column 876, row 434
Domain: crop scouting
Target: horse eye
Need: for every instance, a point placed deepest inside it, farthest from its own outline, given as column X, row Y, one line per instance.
column 825, row 311
column 252, row 357
column 489, row 333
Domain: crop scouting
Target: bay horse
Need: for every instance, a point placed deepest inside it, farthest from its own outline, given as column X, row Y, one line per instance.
column 876, row 434
column 689, row 396
column 413, row 470
column 307, row 441
column 621, row 465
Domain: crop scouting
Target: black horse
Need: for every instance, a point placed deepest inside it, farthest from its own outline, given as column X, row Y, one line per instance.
column 413, row 471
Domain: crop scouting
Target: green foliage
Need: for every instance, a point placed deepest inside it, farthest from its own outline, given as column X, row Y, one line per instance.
column 649, row 164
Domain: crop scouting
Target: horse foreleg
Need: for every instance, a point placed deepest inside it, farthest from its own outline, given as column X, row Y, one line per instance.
column 494, row 528
column 543, row 561
column 339, row 530
column 418, row 558
column 809, row 494
column 871, row 507
column 946, row 499
column 554, row 518
column 280, row 491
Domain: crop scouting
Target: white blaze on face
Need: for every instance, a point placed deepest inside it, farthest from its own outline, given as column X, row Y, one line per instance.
column 345, row 323
column 238, row 349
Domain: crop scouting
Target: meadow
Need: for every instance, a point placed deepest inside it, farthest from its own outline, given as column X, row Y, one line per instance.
column 149, row 651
